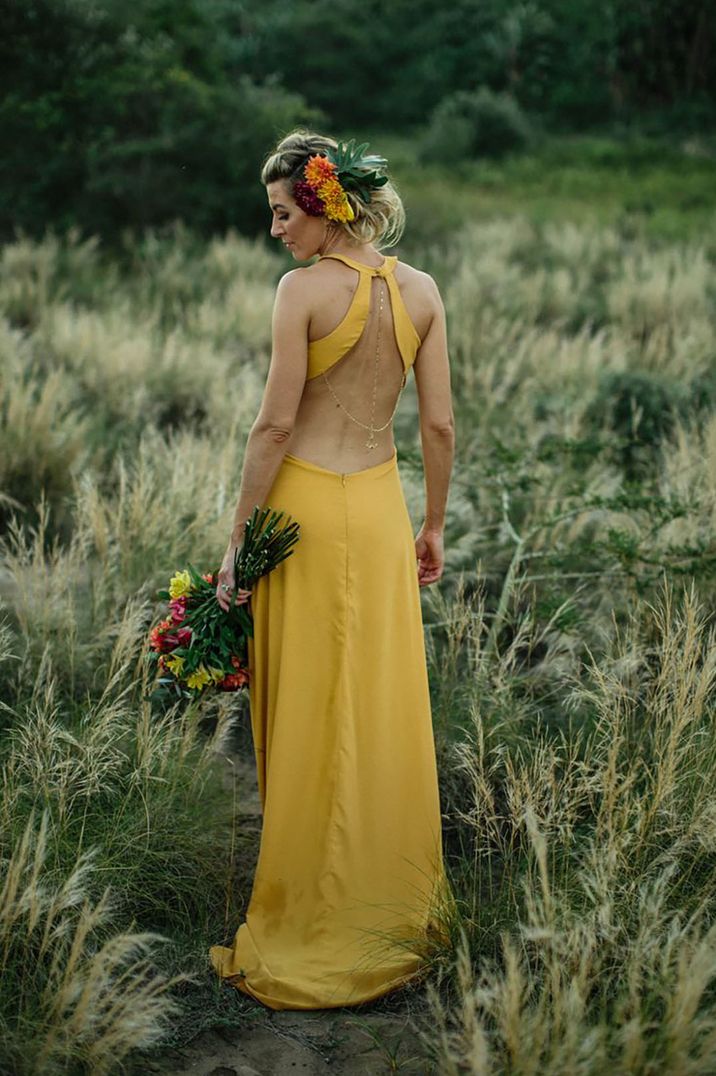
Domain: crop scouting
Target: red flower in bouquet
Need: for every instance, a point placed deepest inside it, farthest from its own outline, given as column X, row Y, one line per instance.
column 157, row 636
column 180, row 637
column 163, row 638
column 233, row 681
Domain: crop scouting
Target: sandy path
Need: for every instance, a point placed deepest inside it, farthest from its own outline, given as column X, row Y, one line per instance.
column 280, row 1043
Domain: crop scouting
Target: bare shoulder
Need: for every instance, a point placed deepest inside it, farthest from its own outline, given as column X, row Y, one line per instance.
column 419, row 283
column 305, row 282
column 293, row 296
column 292, row 282
column 420, row 295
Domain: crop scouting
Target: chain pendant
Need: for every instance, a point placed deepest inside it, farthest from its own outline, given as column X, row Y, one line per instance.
column 371, row 442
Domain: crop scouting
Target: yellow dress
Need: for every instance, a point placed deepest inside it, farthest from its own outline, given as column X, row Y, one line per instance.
column 350, row 882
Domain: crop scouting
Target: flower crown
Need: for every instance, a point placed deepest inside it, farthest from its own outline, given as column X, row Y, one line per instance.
column 328, row 175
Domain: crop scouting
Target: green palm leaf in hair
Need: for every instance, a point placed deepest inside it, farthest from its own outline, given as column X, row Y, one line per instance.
column 356, row 172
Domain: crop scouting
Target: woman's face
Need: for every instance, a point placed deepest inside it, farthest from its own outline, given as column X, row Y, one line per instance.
column 300, row 233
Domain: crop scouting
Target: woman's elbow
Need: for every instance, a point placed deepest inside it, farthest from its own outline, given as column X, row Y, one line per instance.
column 277, row 430
column 443, row 428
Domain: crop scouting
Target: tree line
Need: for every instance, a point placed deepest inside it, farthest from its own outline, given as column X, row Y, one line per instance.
column 116, row 115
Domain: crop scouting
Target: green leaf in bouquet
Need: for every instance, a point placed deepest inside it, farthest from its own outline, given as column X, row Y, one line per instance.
column 164, row 595
column 158, row 694
column 265, row 544
column 245, row 620
column 196, row 578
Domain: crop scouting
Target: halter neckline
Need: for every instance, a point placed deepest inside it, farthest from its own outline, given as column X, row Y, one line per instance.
column 388, row 265
column 326, row 350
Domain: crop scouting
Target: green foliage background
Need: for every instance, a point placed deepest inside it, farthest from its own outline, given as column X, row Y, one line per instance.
column 116, row 116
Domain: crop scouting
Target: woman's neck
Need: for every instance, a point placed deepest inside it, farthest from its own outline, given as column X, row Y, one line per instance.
column 360, row 252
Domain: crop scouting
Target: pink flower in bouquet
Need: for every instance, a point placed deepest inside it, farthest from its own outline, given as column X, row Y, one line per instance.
column 178, row 608
column 208, row 577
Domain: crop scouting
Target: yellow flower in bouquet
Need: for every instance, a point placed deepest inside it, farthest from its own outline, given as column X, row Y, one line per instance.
column 175, row 664
column 180, row 584
column 199, row 678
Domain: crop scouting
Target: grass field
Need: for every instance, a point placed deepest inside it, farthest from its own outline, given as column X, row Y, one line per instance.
column 571, row 643
column 641, row 187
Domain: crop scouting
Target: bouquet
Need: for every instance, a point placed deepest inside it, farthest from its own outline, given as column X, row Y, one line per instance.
column 199, row 645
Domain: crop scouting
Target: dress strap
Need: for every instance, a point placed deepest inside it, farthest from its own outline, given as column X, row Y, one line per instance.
column 327, row 350
column 372, row 270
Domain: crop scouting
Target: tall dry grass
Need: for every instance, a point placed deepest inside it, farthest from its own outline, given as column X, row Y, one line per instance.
column 113, row 826
column 570, row 644
column 599, row 846
column 82, row 993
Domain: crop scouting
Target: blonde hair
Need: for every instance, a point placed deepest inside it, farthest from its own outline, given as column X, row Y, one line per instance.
column 381, row 222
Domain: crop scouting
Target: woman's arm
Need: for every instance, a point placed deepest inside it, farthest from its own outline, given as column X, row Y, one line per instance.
column 437, row 437
column 268, row 438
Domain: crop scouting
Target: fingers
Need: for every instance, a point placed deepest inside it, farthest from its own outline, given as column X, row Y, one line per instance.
column 429, row 572
column 426, row 580
column 224, row 597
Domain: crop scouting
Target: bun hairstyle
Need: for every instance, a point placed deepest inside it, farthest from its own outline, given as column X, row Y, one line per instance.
column 380, row 221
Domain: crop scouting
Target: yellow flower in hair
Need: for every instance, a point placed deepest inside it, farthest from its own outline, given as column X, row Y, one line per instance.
column 334, row 199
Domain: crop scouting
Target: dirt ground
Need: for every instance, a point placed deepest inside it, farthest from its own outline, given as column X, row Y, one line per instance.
column 372, row 1039
column 280, row 1043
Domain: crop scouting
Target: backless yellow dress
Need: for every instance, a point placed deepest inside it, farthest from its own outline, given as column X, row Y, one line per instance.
column 350, row 886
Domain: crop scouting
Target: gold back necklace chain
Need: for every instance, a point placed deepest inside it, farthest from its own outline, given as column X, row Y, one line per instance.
column 371, row 441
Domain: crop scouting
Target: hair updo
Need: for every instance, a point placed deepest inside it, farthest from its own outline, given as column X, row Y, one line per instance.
column 381, row 221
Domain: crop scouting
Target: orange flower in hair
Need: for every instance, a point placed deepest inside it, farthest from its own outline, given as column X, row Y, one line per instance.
column 320, row 192
column 317, row 170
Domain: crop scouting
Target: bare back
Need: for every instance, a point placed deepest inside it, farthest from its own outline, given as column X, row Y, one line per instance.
column 352, row 317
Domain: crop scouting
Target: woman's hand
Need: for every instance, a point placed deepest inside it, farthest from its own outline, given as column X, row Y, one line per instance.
column 226, row 578
column 431, row 556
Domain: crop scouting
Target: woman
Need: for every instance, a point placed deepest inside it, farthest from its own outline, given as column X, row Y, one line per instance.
column 350, row 882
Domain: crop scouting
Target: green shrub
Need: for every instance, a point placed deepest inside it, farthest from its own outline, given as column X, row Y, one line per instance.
column 639, row 404
column 640, row 407
column 480, row 124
